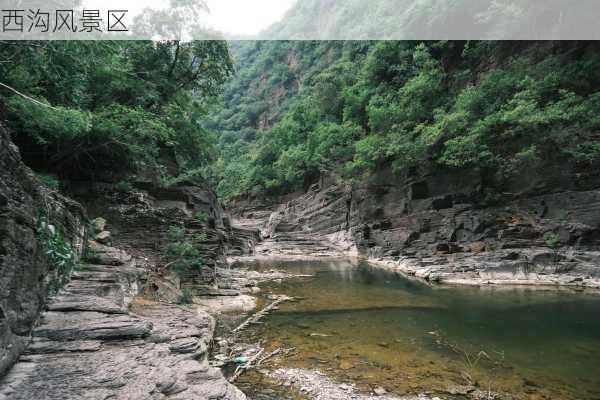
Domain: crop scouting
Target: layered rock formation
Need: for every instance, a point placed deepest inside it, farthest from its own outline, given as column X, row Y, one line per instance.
column 140, row 216
column 443, row 227
column 25, row 271
column 94, row 341
column 89, row 346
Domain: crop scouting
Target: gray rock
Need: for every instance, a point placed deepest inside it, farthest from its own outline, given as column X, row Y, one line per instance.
column 105, row 255
column 43, row 346
column 62, row 326
column 188, row 345
column 73, row 302
column 103, row 237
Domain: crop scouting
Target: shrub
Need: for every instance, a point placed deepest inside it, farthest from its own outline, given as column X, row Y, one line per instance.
column 181, row 252
column 201, row 216
column 186, row 296
column 59, row 252
column 552, row 240
column 124, row 186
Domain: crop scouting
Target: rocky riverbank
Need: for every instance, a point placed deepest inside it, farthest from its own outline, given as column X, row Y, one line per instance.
column 98, row 340
column 439, row 229
column 316, row 385
column 99, row 321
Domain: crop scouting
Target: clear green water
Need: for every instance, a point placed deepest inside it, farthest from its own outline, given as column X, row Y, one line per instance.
column 367, row 326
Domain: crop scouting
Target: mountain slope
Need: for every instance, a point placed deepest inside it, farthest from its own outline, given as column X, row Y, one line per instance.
column 299, row 110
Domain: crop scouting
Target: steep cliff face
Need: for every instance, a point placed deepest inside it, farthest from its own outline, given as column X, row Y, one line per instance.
column 26, row 272
column 140, row 217
column 444, row 227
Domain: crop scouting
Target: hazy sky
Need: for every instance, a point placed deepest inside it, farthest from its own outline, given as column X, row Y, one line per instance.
column 241, row 17
column 246, row 16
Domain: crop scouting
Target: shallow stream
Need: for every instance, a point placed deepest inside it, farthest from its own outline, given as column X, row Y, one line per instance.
column 366, row 326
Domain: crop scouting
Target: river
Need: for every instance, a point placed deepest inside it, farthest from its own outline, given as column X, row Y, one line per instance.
column 363, row 325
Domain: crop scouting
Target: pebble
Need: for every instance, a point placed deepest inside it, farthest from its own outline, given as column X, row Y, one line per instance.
column 379, row 391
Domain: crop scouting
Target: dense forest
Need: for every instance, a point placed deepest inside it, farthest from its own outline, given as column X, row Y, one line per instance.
column 448, row 19
column 283, row 113
column 81, row 109
column 295, row 110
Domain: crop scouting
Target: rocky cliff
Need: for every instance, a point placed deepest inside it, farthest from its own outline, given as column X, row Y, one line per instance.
column 140, row 216
column 27, row 272
column 446, row 227
column 77, row 316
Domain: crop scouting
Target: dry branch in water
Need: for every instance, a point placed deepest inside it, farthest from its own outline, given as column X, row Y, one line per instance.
column 256, row 317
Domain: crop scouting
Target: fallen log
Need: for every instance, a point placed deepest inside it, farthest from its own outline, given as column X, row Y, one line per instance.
column 256, row 317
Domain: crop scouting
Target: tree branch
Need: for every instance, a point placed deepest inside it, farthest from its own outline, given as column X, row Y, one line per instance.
column 39, row 103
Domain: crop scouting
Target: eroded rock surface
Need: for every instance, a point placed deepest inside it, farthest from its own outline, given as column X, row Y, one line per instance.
column 25, row 273
column 442, row 228
column 96, row 342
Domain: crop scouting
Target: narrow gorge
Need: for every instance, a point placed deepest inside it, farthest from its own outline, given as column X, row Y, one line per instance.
column 299, row 219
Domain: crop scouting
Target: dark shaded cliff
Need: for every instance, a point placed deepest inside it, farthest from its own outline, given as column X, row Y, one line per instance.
column 140, row 216
column 27, row 271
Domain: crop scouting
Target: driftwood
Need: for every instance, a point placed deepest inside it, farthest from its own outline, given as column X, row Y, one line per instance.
column 271, row 354
column 256, row 317
column 249, row 364
column 255, row 361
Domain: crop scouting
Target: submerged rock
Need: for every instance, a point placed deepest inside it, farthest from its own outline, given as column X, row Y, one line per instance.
column 323, row 388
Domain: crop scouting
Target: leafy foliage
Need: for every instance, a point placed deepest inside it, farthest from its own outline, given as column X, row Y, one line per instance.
column 59, row 252
column 352, row 108
column 186, row 296
column 181, row 252
column 85, row 107
column 392, row 19
column 49, row 181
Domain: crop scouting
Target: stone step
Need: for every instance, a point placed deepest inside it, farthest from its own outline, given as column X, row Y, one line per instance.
column 41, row 345
column 85, row 325
column 73, row 303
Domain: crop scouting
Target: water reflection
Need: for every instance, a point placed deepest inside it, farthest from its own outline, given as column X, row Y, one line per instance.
column 377, row 328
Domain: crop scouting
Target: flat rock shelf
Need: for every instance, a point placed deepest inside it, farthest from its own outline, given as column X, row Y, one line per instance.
column 98, row 341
